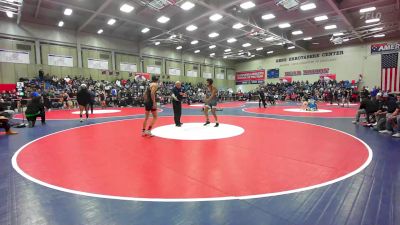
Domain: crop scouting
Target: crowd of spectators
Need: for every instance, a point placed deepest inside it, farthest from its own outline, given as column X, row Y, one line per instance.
column 61, row 92
column 322, row 90
column 381, row 108
column 382, row 112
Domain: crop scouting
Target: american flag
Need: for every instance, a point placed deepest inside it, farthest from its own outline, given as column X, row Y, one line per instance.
column 390, row 79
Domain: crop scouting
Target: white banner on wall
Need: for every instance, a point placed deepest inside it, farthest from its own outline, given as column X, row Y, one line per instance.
column 207, row 75
column 98, row 64
column 153, row 69
column 127, row 67
column 174, row 72
column 60, row 60
column 231, row 77
column 220, row 76
column 10, row 56
column 192, row 73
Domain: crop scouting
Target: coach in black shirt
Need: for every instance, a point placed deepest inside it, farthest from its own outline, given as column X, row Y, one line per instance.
column 177, row 96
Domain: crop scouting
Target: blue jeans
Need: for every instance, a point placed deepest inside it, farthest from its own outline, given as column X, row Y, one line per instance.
column 389, row 124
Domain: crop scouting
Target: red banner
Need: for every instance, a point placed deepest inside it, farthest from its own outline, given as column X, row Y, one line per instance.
column 286, row 79
column 328, row 77
column 142, row 76
column 250, row 77
column 8, row 87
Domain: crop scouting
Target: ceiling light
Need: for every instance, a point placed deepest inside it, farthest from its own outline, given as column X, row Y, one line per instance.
column 225, row 57
column 268, row 16
column 145, row 30
column 280, row 43
column 307, row 38
column 157, row 43
column 111, row 22
column 379, row 35
column 216, row 17
column 213, row 35
column 240, row 53
column 61, row 23
column 259, row 49
column 163, row 19
column 315, row 43
column 369, row 9
column 68, row 12
column 291, row 47
column 269, row 38
column 321, row 18
column 237, row 26
column 372, row 20
column 297, row 32
column 212, row 46
column 252, row 56
column 187, row 5
column 338, row 34
column 231, row 40
column 194, row 42
column 172, row 36
column 179, row 47
column 212, row 54
column 191, row 28
column 246, row 45
column 346, row 40
column 376, row 29
column 126, row 8
column 247, row 5
column 284, row 25
column 227, row 50
column 9, row 14
column 308, row 6
column 197, row 51
column 270, row 52
column 240, row 50
column 330, row 27
column 100, row 31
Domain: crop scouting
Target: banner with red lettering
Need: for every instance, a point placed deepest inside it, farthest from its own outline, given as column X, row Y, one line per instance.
column 250, row 77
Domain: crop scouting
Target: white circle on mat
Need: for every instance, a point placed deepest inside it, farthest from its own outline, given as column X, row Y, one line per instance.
column 305, row 111
column 101, row 111
column 197, row 105
column 196, row 131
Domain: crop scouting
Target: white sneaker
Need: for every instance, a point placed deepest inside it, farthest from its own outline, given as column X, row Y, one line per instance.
column 385, row 132
column 374, row 124
column 396, row 135
column 354, row 122
column 81, row 120
column 148, row 133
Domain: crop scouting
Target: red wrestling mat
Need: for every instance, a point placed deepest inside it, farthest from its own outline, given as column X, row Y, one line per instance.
column 324, row 112
column 98, row 113
column 112, row 160
column 220, row 105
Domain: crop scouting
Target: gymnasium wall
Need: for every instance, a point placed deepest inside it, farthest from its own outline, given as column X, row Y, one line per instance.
column 40, row 41
column 348, row 64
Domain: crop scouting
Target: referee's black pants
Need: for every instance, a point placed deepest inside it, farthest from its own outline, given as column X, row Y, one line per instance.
column 262, row 100
column 177, row 106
